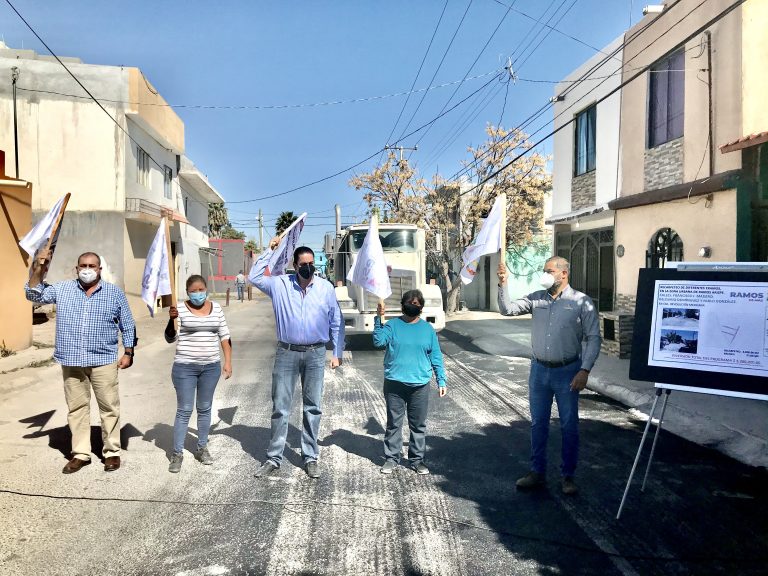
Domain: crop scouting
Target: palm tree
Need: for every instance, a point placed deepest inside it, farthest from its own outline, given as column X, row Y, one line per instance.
column 284, row 221
column 218, row 219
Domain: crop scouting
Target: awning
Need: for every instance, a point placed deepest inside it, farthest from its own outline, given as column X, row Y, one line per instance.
column 745, row 142
column 576, row 214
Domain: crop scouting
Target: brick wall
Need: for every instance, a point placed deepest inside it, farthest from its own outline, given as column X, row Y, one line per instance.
column 625, row 302
column 583, row 191
column 664, row 165
column 622, row 325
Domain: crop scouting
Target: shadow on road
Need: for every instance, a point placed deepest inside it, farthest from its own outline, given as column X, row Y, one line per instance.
column 699, row 514
column 60, row 438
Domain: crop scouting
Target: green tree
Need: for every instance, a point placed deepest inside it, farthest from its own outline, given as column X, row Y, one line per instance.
column 284, row 221
column 218, row 219
column 230, row 233
column 251, row 246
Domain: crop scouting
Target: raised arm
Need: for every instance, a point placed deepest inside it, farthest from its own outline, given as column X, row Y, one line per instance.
column 35, row 290
column 257, row 275
column 382, row 333
column 506, row 306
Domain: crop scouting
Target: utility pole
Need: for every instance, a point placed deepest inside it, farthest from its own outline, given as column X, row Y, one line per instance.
column 14, row 78
column 261, row 231
column 400, row 149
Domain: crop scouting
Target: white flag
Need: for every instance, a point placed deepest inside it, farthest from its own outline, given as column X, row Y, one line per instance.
column 156, row 281
column 39, row 235
column 370, row 269
column 488, row 240
column 283, row 254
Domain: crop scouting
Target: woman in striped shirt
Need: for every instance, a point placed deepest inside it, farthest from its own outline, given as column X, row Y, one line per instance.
column 197, row 365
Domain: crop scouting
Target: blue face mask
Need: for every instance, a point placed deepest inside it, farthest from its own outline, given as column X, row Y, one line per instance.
column 198, row 298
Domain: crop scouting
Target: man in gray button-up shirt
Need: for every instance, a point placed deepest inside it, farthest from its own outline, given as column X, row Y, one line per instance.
column 565, row 340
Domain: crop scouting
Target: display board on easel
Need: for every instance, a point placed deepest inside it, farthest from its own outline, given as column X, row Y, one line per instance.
column 703, row 329
column 700, row 327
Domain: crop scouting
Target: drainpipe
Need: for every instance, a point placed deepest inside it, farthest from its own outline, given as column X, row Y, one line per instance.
column 14, row 78
column 709, row 88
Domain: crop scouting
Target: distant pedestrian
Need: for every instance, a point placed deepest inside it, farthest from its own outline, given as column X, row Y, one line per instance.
column 240, row 284
column 89, row 313
column 197, row 366
column 565, row 338
column 412, row 356
column 307, row 317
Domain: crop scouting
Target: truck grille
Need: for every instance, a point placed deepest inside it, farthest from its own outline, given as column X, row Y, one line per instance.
column 400, row 285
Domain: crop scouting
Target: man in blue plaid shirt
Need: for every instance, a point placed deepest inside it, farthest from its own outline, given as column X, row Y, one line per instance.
column 89, row 313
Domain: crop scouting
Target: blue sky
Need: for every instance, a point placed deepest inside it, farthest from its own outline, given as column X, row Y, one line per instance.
column 275, row 53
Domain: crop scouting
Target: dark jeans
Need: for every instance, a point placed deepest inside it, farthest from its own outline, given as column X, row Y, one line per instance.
column 189, row 379
column 543, row 385
column 414, row 400
column 289, row 366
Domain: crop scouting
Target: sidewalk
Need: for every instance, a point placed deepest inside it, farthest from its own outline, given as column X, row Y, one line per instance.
column 735, row 426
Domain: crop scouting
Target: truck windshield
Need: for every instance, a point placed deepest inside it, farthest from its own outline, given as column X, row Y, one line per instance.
column 391, row 240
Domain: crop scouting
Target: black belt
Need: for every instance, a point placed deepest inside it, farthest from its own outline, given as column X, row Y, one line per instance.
column 556, row 364
column 300, row 347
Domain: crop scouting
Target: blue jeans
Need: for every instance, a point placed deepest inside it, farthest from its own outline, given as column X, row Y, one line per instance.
column 544, row 384
column 188, row 379
column 289, row 366
column 240, row 289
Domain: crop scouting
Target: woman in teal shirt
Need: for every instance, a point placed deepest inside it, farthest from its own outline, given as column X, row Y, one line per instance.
column 412, row 356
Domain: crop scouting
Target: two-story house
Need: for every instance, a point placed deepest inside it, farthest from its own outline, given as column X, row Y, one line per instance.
column 586, row 171
column 123, row 172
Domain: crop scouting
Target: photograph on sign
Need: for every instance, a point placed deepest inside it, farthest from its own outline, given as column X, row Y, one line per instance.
column 709, row 325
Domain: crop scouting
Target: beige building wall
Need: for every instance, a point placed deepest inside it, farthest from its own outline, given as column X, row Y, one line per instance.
column 149, row 109
column 657, row 41
column 754, row 67
column 15, row 222
column 695, row 223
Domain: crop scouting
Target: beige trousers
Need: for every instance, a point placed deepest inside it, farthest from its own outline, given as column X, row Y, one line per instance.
column 78, row 383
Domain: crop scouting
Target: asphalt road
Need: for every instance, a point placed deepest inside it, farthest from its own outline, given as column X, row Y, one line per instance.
column 702, row 513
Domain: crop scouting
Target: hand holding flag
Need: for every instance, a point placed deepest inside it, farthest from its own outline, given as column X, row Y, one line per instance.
column 492, row 238
column 289, row 240
column 40, row 242
column 370, row 269
column 156, row 280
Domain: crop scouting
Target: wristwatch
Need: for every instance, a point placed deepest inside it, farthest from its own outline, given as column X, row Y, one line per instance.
column 131, row 354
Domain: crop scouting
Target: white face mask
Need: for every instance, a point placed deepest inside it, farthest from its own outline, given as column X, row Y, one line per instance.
column 87, row 275
column 547, row 280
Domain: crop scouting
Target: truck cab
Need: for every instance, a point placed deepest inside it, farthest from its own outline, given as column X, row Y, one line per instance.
column 405, row 253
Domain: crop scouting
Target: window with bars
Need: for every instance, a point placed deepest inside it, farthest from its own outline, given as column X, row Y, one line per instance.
column 665, row 246
column 584, row 142
column 666, row 96
column 142, row 167
column 168, row 178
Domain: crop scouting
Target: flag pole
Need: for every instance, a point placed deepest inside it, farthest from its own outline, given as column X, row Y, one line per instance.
column 171, row 271
column 503, row 232
column 55, row 229
column 375, row 216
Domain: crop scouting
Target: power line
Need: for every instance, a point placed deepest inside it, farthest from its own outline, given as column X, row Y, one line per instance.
column 421, row 66
column 469, row 70
column 619, row 87
column 445, row 54
column 548, row 34
column 264, row 107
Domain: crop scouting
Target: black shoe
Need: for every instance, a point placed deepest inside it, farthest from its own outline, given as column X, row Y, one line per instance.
column 312, row 470
column 530, row 481
column 266, row 469
column 568, row 486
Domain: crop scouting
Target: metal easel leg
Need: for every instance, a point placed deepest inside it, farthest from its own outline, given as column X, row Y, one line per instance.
column 667, row 392
column 639, row 451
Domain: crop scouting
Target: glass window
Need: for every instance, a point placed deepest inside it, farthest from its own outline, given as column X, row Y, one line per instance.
column 586, row 132
column 142, row 167
column 391, row 240
column 168, row 178
column 666, row 100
